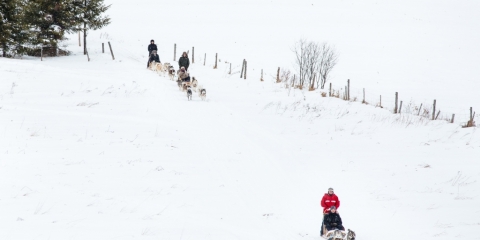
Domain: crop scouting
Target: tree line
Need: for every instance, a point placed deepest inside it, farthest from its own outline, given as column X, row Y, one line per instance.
column 28, row 25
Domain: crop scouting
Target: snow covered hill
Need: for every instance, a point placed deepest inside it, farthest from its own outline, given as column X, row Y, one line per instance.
column 109, row 150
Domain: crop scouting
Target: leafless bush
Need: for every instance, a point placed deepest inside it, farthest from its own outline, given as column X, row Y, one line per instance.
column 315, row 62
column 328, row 60
column 285, row 76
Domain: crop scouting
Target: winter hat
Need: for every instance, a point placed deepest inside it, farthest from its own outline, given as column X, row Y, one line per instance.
column 332, row 207
column 330, row 189
column 152, row 40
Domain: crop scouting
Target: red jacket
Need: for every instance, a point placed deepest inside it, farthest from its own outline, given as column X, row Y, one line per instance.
column 328, row 201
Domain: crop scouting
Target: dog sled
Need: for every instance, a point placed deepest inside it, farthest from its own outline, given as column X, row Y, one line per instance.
column 339, row 234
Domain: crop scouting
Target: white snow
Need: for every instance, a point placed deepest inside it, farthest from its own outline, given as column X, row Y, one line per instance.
column 109, row 150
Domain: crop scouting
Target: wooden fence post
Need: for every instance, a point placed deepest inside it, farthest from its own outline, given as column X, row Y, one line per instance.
column 437, row 115
column 193, row 54
column 420, row 109
column 103, row 47
column 434, row 105
column 278, row 75
column 261, row 77
column 470, row 122
column 396, row 103
column 348, row 89
column 453, row 117
column 330, row 91
column 111, row 51
column 174, row 51
column 216, row 60
column 88, row 57
column 243, row 67
column 79, row 41
column 381, row 101
column 245, row 73
column 230, row 72
column 363, row 96
column 204, row 59
column 400, row 109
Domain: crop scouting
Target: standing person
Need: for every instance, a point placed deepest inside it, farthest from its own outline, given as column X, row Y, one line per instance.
column 183, row 61
column 333, row 220
column 329, row 200
column 151, row 47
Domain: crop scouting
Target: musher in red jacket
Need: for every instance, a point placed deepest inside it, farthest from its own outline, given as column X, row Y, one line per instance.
column 328, row 200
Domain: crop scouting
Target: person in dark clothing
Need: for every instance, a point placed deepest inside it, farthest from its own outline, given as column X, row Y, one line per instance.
column 152, row 47
column 183, row 61
column 333, row 220
column 153, row 57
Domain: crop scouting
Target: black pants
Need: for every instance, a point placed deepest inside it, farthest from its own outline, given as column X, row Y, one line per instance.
column 187, row 79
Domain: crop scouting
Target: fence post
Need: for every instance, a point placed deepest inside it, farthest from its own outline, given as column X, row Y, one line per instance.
column 453, row 117
column 204, row 59
column 103, row 47
column 330, row 91
column 363, row 96
column 243, row 67
column 88, row 57
column 245, row 74
column 230, row 72
column 470, row 122
column 41, row 54
column 396, row 103
column 437, row 115
column 434, row 105
column 400, row 109
column 348, row 89
column 193, row 54
column 278, row 75
column 174, row 51
column 216, row 60
column 79, row 41
column 111, row 51
column 261, row 77
column 381, row 101
column 420, row 109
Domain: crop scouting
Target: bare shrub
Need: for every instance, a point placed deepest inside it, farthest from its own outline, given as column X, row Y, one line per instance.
column 285, row 76
column 315, row 62
column 324, row 94
column 328, row 60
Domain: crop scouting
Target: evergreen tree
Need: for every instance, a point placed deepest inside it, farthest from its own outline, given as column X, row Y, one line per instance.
column 50, row 20
column 13, row 31
column 90, row 17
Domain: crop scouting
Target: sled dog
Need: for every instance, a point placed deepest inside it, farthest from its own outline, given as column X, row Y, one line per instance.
column 189, row 93
column 203, row 93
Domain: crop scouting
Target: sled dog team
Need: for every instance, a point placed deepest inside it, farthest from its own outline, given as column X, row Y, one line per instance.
column 183, row 80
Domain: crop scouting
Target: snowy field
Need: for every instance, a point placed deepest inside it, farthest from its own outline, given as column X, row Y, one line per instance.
column 109, row 150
